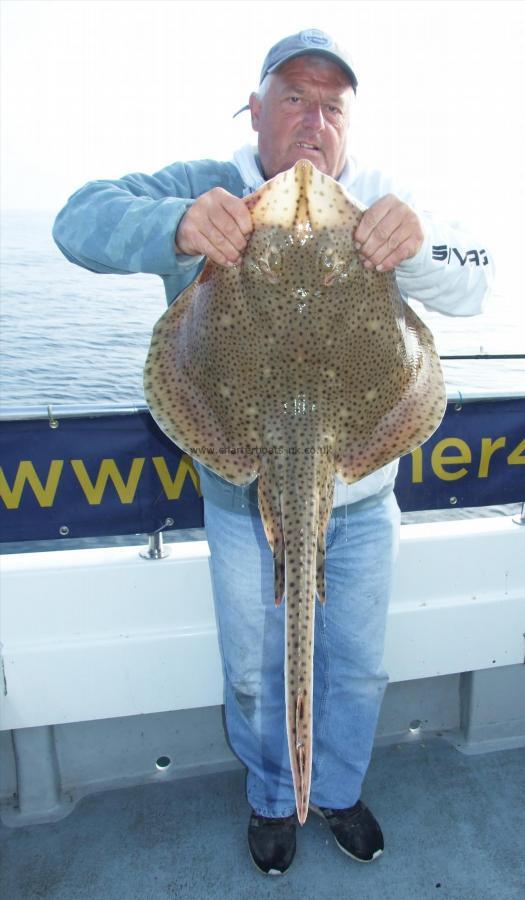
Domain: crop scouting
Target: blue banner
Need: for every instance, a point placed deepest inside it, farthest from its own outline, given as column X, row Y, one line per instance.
column 475, row 458
column 93, row 475
column 118, row 474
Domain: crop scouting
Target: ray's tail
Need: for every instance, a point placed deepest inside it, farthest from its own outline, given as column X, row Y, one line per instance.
column 295, row 513
column 300, row 569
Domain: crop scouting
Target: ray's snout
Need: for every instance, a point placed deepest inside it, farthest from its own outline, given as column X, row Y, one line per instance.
column 303, row 195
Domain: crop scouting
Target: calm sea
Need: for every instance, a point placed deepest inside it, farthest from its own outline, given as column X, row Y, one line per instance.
column 69, row 336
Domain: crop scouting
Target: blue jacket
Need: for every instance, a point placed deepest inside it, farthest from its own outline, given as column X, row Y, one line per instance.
column 129, row 225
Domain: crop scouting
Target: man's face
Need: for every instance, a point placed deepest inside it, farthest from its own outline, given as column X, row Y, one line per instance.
column 303, row 114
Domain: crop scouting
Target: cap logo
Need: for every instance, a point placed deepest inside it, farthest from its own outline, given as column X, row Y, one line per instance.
column 315, row 38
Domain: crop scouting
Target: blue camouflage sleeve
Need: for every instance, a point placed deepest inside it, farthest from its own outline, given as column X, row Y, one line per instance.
column 129, row 225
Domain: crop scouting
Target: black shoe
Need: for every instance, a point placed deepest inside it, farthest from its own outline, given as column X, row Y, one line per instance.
column 271, row 843
column 355, row 830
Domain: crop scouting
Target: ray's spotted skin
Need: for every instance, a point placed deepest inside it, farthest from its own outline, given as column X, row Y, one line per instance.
column 294, row 365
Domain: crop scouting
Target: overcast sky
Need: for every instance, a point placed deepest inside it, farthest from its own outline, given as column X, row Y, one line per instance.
column 100, row 88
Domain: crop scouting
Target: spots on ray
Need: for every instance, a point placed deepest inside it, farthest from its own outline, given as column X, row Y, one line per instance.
column 278, row 370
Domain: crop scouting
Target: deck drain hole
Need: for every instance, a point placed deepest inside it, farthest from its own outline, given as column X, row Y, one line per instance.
column 163, row 763
column 415, row 726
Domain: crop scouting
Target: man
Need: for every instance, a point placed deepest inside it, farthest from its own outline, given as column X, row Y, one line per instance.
column 166, row 224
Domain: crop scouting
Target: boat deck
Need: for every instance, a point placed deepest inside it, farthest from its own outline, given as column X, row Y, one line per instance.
column 454, row 828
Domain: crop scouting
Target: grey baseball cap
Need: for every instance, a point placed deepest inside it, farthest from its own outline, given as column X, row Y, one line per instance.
column 310, row 41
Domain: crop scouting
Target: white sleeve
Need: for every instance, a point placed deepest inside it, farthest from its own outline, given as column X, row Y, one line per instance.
column 452, row 273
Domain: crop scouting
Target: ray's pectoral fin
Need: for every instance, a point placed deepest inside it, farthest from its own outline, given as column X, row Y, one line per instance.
column 180, row 385
column 409, row 418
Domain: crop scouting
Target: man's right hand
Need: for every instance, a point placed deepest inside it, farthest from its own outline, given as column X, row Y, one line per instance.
column 216, row 225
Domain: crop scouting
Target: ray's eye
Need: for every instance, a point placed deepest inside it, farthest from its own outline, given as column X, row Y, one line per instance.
column 274, row 257
column 327, row 257
column 333, row 265
column 271, row 263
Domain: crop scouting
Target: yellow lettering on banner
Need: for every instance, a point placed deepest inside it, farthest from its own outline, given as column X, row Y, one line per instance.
column 108, row 469
column 439, row 459
column 488, row 448
column 45, row 494
column 417, row 466
column 517, row 457
column 173, row 486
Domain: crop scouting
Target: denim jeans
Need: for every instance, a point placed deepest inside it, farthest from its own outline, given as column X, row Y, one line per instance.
column 349, row 680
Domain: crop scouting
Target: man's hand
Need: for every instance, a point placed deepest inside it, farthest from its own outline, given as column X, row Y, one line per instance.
column 217, row 225
column 388, row 233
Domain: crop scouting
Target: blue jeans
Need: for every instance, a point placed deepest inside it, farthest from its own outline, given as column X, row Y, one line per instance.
column 349, row 681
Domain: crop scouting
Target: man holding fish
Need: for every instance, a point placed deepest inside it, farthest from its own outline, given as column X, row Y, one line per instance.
column 167, row 224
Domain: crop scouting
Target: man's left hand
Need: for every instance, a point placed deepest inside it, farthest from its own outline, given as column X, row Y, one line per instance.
column 389, row 232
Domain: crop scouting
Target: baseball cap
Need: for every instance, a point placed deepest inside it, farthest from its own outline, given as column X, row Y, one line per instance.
column 310, row 41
